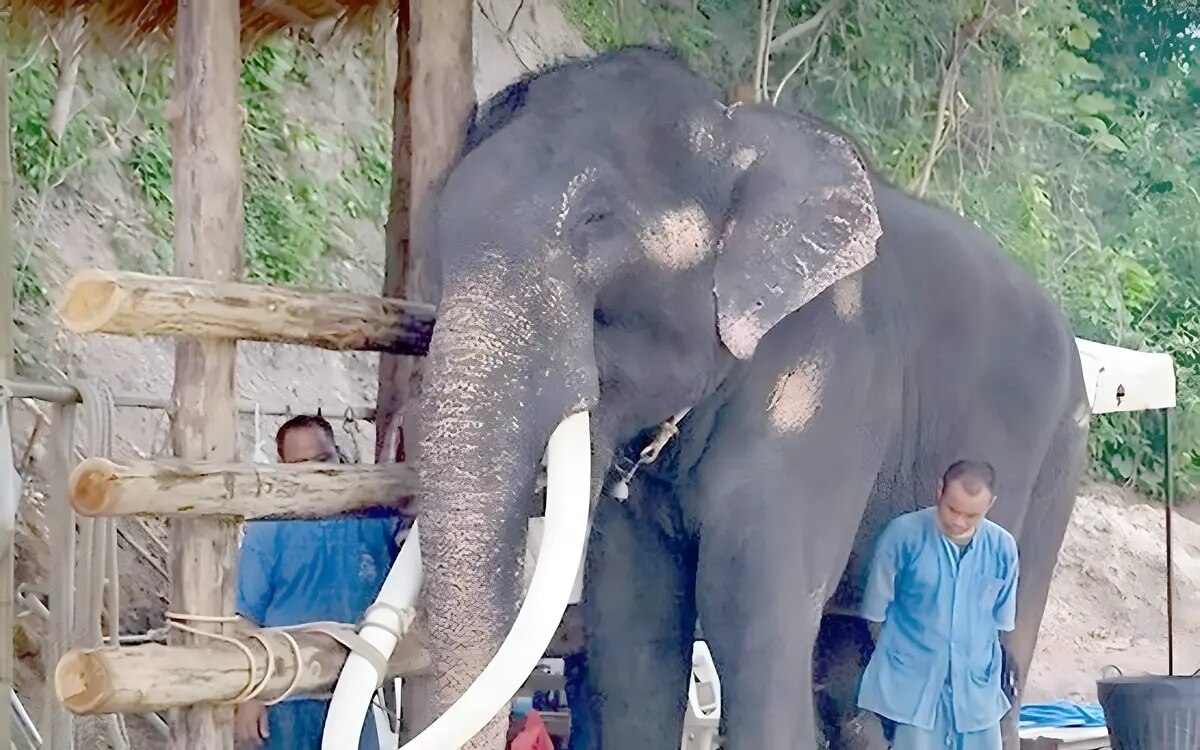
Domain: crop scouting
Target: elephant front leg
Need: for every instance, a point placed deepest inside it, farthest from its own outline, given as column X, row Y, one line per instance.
column 640, row 614
column 766, row 569
column 781, row 492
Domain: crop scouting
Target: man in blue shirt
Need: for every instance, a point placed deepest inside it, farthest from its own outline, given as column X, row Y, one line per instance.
column 941, row 589
column 293, row 572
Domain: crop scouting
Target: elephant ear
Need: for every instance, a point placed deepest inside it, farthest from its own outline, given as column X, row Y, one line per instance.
column 803, row 217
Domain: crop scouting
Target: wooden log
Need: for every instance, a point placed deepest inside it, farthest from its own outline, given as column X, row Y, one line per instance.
column 8, row 543
column 153, row 677
column 170, row 487
column 206, row 126
column 137, row 304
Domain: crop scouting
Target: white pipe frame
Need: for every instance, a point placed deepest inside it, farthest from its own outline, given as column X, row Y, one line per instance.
column 568, row 505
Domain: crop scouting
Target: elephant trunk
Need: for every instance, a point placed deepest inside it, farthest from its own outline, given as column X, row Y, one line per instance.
column 493, row 395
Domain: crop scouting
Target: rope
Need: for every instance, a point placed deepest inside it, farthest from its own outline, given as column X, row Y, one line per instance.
column 626, row 469
column 340, row 632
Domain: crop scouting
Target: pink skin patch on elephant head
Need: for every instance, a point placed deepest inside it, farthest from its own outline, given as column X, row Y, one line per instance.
column 798, row 394
column 847, row 298
column 679, row 239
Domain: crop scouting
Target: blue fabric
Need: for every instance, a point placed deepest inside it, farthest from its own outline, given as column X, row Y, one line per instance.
column 941, row 620
column 293, row 572
column 298, row 724
column 943, row 735
column 1061, row 714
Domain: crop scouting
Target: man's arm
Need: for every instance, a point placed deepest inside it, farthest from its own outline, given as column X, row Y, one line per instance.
column 886, row 562
column 1006, row 599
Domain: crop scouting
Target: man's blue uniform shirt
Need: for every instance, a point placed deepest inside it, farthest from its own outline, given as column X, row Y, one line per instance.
column 941, row 610
column 299, row 571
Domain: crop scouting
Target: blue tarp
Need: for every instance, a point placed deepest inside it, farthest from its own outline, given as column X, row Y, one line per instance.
column 1061, row 714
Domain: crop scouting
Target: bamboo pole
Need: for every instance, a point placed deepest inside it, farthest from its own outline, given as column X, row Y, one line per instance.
column 100, row 487
column 207, row 185
column 136, row 304
column 7, row 609
column 152, row 677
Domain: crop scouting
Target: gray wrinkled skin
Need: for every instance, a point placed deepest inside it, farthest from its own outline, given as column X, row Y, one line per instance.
column 616, row 240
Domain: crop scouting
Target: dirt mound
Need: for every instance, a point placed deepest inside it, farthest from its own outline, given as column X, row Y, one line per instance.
column 1108, row 601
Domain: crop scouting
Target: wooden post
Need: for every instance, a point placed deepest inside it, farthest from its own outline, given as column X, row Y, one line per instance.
column 394, row 370
column 207, row 183
column 435, row 98
column 7, row 613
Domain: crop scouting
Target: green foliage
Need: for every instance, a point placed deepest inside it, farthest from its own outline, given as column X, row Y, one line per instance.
column 293, row 199
column 1072, row 137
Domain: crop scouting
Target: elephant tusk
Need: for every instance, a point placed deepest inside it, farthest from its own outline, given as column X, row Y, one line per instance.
column 384, row 624
column 568, row 503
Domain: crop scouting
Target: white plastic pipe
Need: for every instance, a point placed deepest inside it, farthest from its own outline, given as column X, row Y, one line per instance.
column 568, row 501
column 357, row 682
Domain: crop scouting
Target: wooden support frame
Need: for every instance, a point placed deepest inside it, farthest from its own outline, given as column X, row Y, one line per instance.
column 137, row 304
column 153, row 677
column 174, row 488
column 206, row 124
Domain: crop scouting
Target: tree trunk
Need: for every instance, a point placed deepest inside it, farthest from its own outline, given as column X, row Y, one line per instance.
column 207, row 180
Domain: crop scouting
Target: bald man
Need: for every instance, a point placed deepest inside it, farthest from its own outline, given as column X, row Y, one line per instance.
column 942, row 587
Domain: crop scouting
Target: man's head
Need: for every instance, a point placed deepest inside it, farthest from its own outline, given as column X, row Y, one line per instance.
column 965, row 495
column 306, row 438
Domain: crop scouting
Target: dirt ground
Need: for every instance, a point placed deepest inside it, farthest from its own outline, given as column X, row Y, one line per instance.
column 1108, row 599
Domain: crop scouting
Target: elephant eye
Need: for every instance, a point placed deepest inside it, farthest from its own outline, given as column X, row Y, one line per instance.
column 595, row 217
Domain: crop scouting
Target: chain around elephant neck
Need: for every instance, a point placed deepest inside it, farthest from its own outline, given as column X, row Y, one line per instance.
column 626, row 468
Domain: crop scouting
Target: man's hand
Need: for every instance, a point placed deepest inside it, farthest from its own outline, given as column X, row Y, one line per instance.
column 250, row 723
column 1009, row 678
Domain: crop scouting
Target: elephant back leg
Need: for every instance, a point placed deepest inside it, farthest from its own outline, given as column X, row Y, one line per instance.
column 844, row 646
column 789, row 467
column 639, row 608
column 1039, row 540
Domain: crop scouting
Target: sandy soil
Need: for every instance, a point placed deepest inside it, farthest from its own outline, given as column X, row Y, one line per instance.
column 1108, row 599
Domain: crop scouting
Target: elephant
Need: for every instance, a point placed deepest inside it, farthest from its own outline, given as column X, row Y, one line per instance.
column 617, row 242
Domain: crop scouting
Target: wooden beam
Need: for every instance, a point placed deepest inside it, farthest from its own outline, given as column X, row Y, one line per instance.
column 8, row 544
column 136, row 304
column 100, row 487
column 207, row 184
column 153, row 677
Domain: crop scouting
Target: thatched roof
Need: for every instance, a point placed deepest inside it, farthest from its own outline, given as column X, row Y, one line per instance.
column 121, row 23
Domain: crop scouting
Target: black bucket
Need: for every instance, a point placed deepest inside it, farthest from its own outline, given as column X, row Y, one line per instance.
column 1151, row 712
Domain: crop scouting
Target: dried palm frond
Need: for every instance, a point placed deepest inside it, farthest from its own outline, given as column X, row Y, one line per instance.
column 118, row 24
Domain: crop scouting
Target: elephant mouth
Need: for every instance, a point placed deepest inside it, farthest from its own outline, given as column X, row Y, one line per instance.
column 568, row 502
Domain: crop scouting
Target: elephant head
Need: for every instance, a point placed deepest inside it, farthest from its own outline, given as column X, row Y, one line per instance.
column 613, row 241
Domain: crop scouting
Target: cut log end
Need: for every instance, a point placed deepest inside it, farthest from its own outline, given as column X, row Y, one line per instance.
column 82, row 683
column 89, row 301
column 89, row 486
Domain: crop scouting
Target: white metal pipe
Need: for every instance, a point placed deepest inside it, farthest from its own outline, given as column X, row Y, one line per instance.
column 568, row 501
column 356, row 684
